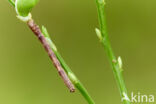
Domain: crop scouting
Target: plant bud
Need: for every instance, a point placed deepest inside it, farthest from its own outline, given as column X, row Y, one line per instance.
column 24, row 7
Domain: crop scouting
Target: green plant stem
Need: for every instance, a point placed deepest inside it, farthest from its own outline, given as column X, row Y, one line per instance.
column 63, row 66
column 67, row 69
column 12, row 2
column 74, row 79
column 59, row 63
column 103, row 35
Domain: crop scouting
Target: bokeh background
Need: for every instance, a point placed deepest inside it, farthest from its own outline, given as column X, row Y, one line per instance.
column 27, row 75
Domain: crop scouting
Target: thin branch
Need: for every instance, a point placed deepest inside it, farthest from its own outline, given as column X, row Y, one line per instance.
column 116, row 64
column 65, row 72
column 70, row 74
column 36, row 30
column 12, row 2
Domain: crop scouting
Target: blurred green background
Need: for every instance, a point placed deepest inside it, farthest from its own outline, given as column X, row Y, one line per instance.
column 27, row 75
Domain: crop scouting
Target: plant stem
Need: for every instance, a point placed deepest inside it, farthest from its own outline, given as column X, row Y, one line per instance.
column 65, row 72
column 67, row 69
column 36, row 30
column 116, row 65
column 12, row 2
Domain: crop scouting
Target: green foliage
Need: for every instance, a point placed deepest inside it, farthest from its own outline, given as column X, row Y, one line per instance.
column 24, row 7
